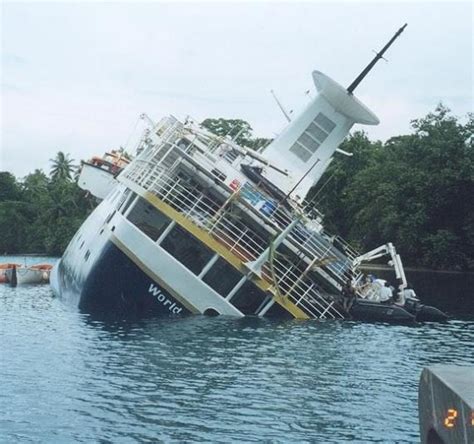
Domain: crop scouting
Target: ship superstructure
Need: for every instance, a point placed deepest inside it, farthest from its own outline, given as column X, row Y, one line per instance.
column 200, row 224
column 97, row 175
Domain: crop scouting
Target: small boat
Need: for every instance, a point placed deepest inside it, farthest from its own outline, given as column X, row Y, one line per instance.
column 35, row 274
column 409, row 310
column 363, row 310
column 424, row 313
column 375, row 299
column 3, row 271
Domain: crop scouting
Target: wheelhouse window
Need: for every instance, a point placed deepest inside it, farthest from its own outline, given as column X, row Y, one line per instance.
column 248, row 299
column 148, row 219
column 222, row 277
column 188, row 250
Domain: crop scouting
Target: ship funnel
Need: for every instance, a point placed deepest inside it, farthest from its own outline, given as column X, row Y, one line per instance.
column 307, row 145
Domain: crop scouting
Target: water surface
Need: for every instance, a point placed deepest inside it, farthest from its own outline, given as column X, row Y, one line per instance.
column 67, row 378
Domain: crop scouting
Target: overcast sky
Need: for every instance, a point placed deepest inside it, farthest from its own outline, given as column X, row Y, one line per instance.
column 76, row 76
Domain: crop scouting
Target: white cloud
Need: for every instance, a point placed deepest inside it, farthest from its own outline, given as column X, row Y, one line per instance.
column 76, row 76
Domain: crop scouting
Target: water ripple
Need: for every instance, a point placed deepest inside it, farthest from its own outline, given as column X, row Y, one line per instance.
column 65, row 377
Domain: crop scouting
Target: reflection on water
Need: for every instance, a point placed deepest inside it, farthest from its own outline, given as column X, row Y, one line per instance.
column 67, row 378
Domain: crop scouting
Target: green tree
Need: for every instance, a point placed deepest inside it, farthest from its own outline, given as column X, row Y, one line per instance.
column 237, row 129
column 62, row 168
column 9, row 188
column 234, row 128
column 44, row 216
column 415, row 191
column 37, row 198
column 67, row 209
column 259, row 143
column 14, row 220
column 330, row 195
column 13, row 213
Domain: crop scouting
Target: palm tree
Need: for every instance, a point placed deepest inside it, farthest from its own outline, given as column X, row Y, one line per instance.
column 62, row 168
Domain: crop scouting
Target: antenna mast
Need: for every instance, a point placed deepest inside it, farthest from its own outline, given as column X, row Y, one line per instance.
column 379, row 55
column 280, row 106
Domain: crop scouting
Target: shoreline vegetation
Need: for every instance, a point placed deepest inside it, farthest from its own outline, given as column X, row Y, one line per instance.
column 382, row 267
column 416, row 191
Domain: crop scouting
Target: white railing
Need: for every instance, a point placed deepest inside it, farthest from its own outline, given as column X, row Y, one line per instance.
column 151, row 172
column 239, row 238
column 301, row 290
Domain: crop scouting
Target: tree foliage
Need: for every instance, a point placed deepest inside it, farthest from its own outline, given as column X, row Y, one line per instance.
column 416, row 191
column 238, row 130
column 62, row 167
column 40, row 214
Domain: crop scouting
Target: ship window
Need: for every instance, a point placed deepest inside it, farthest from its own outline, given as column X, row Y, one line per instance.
column 248, row 298
column 308, row 142
column 301, row 152
column 148, row 219
column 193, row 254
column 311, row 139
column 222, row 277
column 325, row 123
column 317, row 132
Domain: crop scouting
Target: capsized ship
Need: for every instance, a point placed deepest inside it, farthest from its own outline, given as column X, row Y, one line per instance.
column 197, row 223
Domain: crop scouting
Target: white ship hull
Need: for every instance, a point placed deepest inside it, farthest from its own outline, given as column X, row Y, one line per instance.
column 110, row 267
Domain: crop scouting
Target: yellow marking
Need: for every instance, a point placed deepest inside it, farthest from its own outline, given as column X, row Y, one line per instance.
column 214, row 245
column 196, row 231
column 151, row 274
column 292, row 308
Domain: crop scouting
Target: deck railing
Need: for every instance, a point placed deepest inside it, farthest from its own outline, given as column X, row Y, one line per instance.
column 155, row 170
column 301, row 290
